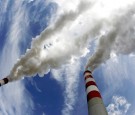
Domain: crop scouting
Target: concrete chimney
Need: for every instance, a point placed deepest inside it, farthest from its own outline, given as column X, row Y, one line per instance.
column 94, row 99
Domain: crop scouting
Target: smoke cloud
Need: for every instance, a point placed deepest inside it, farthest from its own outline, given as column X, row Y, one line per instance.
column 72, row 29
column 118, row 37
column 49, row 49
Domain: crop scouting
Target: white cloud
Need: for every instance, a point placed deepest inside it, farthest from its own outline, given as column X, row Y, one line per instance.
column 115, row 71
column 3, row 10
column 119, row 106
column 14, row 98
column 43, row 114
column 68, row 77
column 72, row 80
column 58, row 75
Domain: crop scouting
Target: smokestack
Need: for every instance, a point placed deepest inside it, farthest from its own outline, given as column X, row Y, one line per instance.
column 94, row 99
column 4, row 81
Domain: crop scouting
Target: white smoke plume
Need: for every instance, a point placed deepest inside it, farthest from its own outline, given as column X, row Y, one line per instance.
column 71, row 31
column 48, row 51
column 118, row 37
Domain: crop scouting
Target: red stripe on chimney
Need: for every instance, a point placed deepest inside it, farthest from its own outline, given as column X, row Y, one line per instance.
column 93, row 94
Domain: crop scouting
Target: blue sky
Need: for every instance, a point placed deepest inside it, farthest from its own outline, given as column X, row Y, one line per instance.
column 62, row 90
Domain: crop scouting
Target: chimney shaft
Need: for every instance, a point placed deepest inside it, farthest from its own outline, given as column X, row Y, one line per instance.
column 94, row 99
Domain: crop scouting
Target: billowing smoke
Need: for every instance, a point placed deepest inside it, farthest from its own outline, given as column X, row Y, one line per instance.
column 51, row 49
column 68, row 35
column 118, row 37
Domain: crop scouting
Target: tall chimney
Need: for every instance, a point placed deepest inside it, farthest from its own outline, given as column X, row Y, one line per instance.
column 94, row 99
column 4, row 81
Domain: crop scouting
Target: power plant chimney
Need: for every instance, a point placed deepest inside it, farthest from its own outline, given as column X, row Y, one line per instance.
column 94, row 99
column 4, row 81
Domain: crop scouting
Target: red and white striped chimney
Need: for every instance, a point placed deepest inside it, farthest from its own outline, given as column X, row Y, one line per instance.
column 94, row 99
